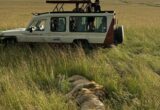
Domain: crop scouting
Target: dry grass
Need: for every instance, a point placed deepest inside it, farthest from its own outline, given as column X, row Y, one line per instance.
column 15, row 13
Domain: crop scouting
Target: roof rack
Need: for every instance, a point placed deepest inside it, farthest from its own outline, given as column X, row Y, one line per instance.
column 60, row 3
column 68, row 1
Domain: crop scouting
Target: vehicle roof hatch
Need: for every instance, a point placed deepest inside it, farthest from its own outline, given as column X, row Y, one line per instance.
column 80, row 5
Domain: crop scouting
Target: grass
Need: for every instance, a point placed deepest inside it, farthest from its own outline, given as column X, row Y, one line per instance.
column 35, row 79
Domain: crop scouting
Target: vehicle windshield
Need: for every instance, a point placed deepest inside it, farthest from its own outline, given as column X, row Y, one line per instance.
column 37, row 25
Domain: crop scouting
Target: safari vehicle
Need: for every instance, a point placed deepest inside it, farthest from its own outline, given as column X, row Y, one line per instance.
column 85, row 24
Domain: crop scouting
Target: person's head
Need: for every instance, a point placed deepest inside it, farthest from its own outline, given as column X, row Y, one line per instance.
column 97, row 1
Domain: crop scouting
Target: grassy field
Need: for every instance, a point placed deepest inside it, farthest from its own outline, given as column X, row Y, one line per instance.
column 35, row 79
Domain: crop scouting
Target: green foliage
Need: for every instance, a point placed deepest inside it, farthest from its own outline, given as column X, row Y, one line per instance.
column 36, row 78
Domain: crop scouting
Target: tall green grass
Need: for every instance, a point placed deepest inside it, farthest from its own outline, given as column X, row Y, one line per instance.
column 36, row 78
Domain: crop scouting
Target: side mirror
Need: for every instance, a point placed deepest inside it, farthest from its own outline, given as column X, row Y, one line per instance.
column 30, row 29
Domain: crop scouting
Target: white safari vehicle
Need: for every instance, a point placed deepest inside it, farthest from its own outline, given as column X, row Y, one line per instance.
column 86, row 24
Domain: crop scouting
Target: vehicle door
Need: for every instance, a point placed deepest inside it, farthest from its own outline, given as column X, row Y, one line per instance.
column 36, row 32
column 57, row 30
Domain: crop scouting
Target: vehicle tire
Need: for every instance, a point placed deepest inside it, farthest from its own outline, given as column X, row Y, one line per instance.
column 8, row 42
column 82, row 43
column 119, row 35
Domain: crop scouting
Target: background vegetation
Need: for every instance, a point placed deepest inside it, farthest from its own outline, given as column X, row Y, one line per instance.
column 35, row 79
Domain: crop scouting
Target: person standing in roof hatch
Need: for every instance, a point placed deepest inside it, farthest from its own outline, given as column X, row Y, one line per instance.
column 94, row 7
column 97, row 7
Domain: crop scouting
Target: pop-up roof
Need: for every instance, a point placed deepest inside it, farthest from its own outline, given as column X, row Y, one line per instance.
column 80, row 5
column 60, row 4
column 68, row 1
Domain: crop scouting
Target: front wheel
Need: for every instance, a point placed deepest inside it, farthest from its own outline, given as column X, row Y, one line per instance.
column 9, row 42
column 119, row 35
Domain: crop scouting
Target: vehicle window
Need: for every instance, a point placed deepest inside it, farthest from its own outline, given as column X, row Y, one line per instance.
column 38, row 25
column 88, row 24
column 58, row 24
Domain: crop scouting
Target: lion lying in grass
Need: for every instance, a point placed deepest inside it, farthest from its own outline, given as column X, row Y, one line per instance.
column 88, row 94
